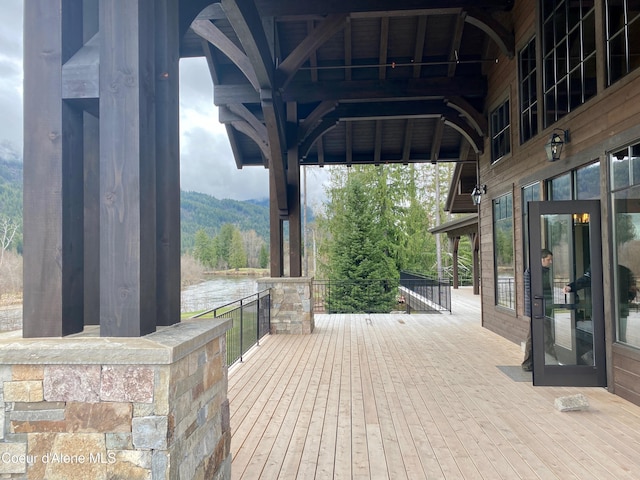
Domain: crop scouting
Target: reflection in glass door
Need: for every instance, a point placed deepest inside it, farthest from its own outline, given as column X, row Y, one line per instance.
column 567, row 308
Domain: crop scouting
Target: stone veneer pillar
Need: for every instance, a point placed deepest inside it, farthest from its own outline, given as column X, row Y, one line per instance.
column 89, row 407
column 291, row 304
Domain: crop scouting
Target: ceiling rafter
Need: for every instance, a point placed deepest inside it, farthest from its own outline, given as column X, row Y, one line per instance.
column 288, row 8
column 323, row 32
column 414, row 88
column 437, row 140
column 408, row 137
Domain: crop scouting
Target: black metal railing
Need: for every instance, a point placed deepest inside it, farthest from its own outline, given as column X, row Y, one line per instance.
column 435, row 292
column 355, row 296
column 251, row 321
column 382, row 296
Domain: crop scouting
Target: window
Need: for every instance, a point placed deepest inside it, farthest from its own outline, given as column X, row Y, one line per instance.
column 623, row 38
column 528, row 92
column 625, row 167
column 580, row 184
column 500, row 132
column 625, row 179
column 569, row 56
column 503, row 250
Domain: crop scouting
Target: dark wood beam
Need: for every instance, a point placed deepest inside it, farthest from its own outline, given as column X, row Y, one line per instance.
column 418, row 50
column 235, row 113
column 365, row 158
column 286, row 8
column 387, row 110
column 245, row 20
column 327, row 29
column 312, row 120
column 466, row 131
column 213, row 35
column 475, row 118
column 456, row 41
column 436, row 141
column 244, row 121
column 494, row 29
column 417, row 88
column 408, row 137
column 81, row 73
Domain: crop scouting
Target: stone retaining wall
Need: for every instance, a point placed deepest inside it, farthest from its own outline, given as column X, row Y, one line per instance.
column 85, row 407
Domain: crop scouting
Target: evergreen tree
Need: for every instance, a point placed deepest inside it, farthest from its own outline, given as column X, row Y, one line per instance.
column 223, row 244
column 359, row 251
column 264, row 256
column 237, row 253
column 204, row 249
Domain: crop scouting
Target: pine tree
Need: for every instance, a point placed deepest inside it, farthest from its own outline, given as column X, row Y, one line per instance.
column 237, row 253
column 359, row 251
column 264, row 256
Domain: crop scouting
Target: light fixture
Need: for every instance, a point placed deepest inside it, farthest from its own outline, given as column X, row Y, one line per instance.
column 476, row 194
column 554, row 146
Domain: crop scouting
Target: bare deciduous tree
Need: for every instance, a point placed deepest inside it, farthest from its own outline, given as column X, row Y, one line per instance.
column 8, row 229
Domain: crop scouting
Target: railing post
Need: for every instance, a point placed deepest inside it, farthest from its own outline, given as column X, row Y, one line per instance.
column 241, row 331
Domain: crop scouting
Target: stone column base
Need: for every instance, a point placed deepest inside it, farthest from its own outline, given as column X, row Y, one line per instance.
column 102, row 408
column 291, row 304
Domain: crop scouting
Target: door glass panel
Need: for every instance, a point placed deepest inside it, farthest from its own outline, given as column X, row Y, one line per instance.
column 627, row 266
column 568, row 324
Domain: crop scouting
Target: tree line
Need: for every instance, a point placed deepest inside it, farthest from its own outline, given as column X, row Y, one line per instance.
column 230, row 249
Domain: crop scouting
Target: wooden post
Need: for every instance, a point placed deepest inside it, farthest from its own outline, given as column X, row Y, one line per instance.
column 168, row 161
column 127, row 168
column 293, row 193
column 275, row 230
column 53, row 174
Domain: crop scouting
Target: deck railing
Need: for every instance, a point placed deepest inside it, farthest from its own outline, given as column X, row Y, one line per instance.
column 251, row 321
column 436, row 291
column 381, row 296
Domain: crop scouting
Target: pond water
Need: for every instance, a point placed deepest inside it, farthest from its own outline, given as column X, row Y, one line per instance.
column 215, row 292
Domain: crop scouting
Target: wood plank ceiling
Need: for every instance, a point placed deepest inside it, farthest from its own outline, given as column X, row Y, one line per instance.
column 351, row 81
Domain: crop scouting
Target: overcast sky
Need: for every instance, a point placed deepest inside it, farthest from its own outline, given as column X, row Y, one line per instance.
column 207, row 164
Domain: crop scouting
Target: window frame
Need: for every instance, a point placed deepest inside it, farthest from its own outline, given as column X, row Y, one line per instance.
column 528, row 82
column 500, row 130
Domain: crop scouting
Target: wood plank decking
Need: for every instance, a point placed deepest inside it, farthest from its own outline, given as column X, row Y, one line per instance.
column 416, row 396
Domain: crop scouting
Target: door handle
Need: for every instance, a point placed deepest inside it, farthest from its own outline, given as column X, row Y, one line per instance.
column 538, row 306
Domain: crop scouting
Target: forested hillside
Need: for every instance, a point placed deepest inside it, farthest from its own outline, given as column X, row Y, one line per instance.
column 204, row 212
column 198, row 210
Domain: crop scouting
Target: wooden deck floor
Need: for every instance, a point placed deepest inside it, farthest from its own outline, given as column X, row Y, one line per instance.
column 416, row 396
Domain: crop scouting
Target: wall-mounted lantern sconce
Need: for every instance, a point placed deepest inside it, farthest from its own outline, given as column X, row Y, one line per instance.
column 476, row 194
column 554, row 146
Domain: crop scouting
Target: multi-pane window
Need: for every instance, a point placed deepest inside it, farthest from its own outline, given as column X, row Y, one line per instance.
column 569, row 56
column 500, row 132
column 623, row 37
column 528, row 92
column 503, row 250
column 625, row 183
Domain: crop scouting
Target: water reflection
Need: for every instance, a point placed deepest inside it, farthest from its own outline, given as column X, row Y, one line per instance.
column 216, row 292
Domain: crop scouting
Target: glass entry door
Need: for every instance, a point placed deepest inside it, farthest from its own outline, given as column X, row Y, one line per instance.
column 566, row 296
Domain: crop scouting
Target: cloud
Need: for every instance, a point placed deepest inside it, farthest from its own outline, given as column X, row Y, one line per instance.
column 11, row 78
column 207, row 164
